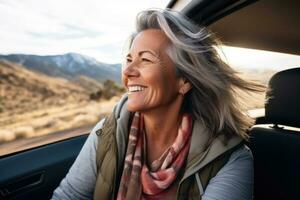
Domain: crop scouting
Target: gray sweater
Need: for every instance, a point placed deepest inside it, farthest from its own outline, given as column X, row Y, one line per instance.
column 80, row 181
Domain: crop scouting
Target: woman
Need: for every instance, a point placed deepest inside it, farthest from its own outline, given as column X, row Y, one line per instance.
column 179, row 131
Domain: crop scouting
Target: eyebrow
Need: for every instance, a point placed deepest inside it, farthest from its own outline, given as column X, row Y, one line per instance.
column 146, row 51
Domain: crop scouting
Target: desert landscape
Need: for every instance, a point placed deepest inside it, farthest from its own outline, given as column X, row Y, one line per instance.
column 34, row 104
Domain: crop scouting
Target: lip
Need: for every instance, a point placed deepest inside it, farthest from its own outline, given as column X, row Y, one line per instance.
column 132, row 85
column 135, row 92
column 129, row 85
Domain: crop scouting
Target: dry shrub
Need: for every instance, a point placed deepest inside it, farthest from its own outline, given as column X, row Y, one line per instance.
column 7, row 135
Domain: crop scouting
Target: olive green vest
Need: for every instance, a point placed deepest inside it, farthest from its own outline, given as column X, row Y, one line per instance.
column 109, row 171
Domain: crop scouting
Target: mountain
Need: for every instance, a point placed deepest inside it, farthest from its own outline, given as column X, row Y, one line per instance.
column 69, row 66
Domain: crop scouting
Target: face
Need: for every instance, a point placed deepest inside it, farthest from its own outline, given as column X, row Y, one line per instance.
column 148, row 72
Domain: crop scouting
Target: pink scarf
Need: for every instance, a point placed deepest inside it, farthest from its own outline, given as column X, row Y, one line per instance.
column 138, row 181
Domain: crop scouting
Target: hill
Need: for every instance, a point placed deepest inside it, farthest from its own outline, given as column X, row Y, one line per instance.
column 68, row 66
column 33, row 104
column 23, row 90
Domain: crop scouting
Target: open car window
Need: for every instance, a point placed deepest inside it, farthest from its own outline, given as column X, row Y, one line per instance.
column 257, row 65
column 60, row 66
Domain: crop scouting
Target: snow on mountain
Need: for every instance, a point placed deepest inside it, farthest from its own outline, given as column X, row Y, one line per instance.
column 70, row 66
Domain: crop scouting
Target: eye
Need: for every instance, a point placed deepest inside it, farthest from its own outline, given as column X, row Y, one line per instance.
column 128, row 60
column 146, row 60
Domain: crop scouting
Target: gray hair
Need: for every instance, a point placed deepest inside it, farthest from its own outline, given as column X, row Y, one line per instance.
column 215, row 85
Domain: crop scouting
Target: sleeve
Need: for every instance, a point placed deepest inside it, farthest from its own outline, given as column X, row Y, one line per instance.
column 80, row 181
column 235, row 180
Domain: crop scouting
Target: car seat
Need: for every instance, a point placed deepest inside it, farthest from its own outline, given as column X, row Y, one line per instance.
column 276, row 145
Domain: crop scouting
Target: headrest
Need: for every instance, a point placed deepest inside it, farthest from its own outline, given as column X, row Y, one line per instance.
column 283, row 98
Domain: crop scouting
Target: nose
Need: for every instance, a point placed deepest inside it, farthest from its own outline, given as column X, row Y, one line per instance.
column 130, row 70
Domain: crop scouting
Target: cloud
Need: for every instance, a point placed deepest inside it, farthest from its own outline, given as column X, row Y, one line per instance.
column 93, row 27
column 69, row 32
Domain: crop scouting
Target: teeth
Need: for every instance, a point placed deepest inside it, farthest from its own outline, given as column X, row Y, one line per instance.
column 136, row 88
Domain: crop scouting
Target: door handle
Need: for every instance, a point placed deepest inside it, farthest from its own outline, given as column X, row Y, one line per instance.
column 23, row 183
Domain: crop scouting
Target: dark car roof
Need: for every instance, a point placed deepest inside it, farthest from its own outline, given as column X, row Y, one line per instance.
column 266, row 24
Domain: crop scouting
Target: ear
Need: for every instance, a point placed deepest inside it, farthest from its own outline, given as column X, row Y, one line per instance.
column 184, row 86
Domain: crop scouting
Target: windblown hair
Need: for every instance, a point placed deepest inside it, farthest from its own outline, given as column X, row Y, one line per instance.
column 215, row 85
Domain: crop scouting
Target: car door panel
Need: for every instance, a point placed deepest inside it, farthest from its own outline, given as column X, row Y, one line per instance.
column 35, row 173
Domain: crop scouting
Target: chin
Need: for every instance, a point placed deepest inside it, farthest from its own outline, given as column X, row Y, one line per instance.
column 132, row 108
column 134, row 105
column 136, row 108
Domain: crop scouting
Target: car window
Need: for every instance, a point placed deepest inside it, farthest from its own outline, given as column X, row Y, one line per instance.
column 257, row 65
column 60, row 64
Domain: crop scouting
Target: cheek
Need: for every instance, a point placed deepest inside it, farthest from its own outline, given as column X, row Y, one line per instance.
column 124, row 78
column 163, row 84
column 169, row 81
column 155, row 78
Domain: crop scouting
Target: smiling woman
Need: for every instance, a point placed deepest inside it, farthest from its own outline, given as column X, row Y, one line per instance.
column 179, row 131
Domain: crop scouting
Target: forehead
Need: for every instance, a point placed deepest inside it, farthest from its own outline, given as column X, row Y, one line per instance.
column 151, row 39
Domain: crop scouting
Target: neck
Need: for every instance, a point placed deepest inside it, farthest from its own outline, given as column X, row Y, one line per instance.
column 161, row 124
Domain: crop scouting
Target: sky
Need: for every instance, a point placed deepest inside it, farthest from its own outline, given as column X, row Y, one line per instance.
column 94, row 28
column 259, row 59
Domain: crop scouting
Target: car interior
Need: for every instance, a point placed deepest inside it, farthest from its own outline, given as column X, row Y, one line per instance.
column 275, row 140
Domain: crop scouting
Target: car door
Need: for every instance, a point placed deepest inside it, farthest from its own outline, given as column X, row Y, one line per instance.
column 35, row 173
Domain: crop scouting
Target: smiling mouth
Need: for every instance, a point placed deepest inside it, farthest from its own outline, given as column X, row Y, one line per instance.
column 136, row 88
